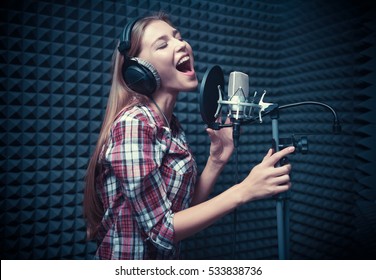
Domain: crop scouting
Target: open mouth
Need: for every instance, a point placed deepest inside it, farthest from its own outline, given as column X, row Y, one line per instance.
column 184, row 64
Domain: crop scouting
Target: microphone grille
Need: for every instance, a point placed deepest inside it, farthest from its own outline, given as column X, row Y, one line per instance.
column 238, row 88
column 238, row 81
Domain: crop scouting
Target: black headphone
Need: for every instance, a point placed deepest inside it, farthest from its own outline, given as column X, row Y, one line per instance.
column 139, row 75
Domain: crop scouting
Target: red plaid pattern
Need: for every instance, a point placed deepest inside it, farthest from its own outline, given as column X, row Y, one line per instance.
column 147, row 174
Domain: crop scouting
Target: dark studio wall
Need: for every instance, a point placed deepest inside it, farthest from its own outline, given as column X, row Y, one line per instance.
column 55, row 78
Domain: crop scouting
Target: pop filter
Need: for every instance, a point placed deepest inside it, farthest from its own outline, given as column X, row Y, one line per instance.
column 210, row 94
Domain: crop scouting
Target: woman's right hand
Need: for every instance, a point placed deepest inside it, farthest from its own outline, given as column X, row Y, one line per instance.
column 266, row 180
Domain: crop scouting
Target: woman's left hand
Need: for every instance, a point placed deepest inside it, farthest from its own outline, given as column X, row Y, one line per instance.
column 222, row 145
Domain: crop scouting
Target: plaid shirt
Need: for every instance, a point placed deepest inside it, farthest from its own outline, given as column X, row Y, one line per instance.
column 147, row 174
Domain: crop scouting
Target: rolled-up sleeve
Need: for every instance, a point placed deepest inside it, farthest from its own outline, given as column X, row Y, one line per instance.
column 135, row 154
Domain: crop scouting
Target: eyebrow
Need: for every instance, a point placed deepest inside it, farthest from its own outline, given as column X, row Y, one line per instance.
column 164, row 37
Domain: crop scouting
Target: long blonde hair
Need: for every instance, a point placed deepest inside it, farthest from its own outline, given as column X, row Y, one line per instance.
column 121, row 96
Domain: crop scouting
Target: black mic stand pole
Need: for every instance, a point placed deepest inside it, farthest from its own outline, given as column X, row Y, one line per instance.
column 282, row 206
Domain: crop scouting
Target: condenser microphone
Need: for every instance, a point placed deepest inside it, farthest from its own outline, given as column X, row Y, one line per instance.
column 211, row 100
column 238, row 89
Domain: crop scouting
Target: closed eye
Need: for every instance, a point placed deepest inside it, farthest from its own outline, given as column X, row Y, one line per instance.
column 162, row 46
column 161, row 42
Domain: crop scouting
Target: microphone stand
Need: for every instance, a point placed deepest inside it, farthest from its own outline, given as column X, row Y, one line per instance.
column 282, row 203
column 282, row 206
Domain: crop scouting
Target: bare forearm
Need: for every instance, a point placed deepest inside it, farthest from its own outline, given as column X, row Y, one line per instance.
column 198, row 217
column 206, row 181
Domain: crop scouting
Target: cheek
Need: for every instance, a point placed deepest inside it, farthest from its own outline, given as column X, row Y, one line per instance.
column 165, row 69
column 168, row 79
column 162, row 65
column 190, row 50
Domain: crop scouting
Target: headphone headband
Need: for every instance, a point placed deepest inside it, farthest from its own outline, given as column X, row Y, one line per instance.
column 125, row 39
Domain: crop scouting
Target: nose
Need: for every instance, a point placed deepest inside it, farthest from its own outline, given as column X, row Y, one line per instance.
column 181, row 45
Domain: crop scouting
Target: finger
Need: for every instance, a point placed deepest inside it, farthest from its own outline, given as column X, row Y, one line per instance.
column 279, row 155
column 210, row 132
column 282, row 170
column 282, row 180
column 214, row 139
column 269, row 154
column 283, row 188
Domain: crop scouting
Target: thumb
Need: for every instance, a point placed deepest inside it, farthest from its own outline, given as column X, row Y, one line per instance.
column 211, row 134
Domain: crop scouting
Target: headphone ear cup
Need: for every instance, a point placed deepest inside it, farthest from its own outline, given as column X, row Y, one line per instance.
column 140, row 76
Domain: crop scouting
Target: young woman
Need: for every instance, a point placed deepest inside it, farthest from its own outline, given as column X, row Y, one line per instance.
column 142, row 193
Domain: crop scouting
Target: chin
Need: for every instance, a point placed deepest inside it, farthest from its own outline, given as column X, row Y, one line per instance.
column 193, row 85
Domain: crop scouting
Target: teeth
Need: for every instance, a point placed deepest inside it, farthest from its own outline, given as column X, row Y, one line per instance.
column 184, row 59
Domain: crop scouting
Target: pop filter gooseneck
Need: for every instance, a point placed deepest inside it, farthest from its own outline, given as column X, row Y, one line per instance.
column 210, row 94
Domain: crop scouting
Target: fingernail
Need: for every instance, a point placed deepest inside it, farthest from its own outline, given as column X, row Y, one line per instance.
column 292, row 148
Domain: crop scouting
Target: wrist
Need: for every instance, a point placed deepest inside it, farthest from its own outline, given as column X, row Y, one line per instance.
column 215, row 163
column 242, row 194
column 237, row 195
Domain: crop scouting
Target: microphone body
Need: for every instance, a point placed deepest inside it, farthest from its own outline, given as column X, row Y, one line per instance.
column 238, row 90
